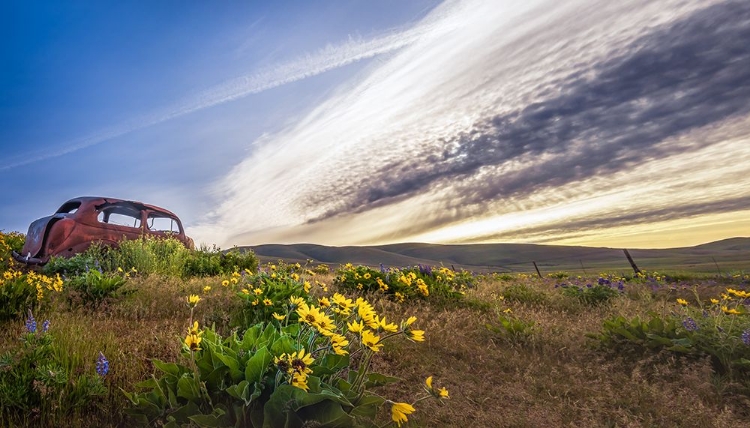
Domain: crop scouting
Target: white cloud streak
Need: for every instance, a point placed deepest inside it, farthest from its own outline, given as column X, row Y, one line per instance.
column 306, row 183
column 331, row 57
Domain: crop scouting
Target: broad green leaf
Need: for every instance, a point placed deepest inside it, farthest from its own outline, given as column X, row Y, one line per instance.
column 215, row 419
column 367, row 406
column 182, row 414
column 187, row 388
column 257, row 365
column 376, row 379
column 170, row 368
column 250, row 338
column 283, row 344
column 240, row 391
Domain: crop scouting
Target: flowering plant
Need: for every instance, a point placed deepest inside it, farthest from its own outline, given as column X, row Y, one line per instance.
column 38, row 380
column 310, row 363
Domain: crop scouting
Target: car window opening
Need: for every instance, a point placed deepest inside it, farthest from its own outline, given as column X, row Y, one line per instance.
column 120, row 215
column 162, row 224
column 69, row 207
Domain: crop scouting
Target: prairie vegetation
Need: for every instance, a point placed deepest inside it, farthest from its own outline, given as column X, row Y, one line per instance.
column 110, row 339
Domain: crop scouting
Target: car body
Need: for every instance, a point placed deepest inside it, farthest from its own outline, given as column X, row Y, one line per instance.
column 81, row 222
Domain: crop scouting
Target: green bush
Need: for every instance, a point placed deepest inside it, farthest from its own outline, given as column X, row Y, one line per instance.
column 38, row 387
column 409, row 283
column 591, row 295
column 16, row 295
column 523, row 293
column 282, row 373
column 724, row 337
column 9, row 241
column 20, row 291
column 76, row 265
column 212, row 262
column 513, row 330
column 94, row 287
column 265, row 294
column 148, row 255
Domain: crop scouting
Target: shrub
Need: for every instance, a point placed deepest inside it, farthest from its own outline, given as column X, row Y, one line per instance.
column 20, row 292
column 94, row 287
column 38, row 386
column 211, row 262
column 408, row 283
column 513, row 329
column 9, row 241
column 721, row 331
column 279, row 372
column 148, row 255
column 598, row 294
column 265, row 294
column 523, row 293
column 76, row 265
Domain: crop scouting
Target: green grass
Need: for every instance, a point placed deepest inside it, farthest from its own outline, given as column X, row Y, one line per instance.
column 538, row 368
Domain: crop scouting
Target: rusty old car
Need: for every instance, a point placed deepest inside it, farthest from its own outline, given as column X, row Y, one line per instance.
column 81, row 222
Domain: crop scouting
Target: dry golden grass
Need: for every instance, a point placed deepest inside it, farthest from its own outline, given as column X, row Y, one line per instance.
column 553, row 378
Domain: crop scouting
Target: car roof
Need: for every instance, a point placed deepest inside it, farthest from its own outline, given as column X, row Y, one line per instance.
column 101, row 200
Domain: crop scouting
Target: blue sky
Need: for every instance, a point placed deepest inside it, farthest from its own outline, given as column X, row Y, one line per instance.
column 357, row 122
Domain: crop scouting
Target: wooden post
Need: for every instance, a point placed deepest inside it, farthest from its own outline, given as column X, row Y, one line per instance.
column 717, row 265
column 632, row 263
column 537, row 269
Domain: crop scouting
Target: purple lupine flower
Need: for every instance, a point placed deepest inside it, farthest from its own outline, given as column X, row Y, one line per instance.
column 690, row 324
column 620, row 286
column 45, row 326
column 746, row 337
column 382, row 268
column 31, row 323
column 102, row 365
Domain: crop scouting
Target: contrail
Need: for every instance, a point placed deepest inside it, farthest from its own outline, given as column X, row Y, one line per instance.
column 326, row 59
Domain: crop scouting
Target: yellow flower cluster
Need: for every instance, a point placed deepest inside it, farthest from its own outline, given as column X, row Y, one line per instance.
column 738, row 293
column 193, row 338
column 44, row 282
column 296, row 366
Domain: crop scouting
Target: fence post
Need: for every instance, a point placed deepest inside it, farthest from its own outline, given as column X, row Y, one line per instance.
column 632, row 263
column 584, row 269
column 717, row 265
column 537, row 269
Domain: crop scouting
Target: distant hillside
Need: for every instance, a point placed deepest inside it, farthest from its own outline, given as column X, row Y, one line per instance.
column 727, row 255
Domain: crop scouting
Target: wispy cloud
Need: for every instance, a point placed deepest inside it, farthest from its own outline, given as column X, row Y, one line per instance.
column 333, row 56
column 529, row 116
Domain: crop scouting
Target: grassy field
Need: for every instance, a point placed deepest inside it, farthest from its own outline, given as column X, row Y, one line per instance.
column 512, row 350
column 716, row 258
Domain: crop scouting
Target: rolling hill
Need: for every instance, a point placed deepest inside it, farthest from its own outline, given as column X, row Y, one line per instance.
column 729, row 255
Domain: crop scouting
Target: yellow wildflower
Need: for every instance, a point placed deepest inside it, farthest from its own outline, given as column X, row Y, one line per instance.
column 371, row 340
column 399, row 412
column 267, row 302
column 728, row 311
column 278, row 317
column 299, row 380
column 206, row 289
column 193, row 341
column 193, row 300
column 355, row 327
column 682, row 302
column 416, row 335
column 225, row 283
